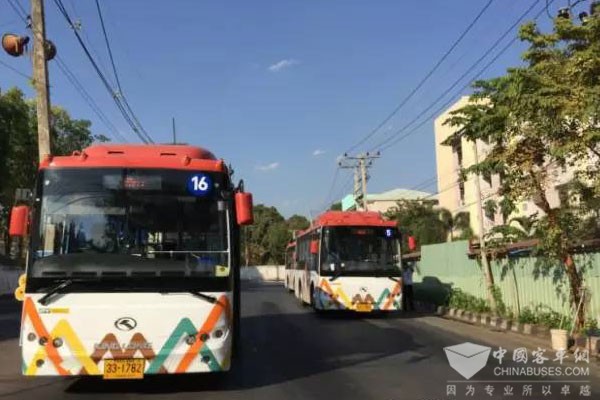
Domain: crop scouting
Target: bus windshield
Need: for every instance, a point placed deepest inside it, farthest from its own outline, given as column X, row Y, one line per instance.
column 360, row 250
column 124, row 222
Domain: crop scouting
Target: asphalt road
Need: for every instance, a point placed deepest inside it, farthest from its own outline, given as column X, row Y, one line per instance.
column 291, row 353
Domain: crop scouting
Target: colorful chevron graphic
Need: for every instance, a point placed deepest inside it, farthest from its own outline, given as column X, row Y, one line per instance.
column 186, row 328
column 110, row 345
column 338, row 299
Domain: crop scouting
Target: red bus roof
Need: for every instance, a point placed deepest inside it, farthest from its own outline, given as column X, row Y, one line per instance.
column 352, row 218
column 349, row 218
column 167, row 156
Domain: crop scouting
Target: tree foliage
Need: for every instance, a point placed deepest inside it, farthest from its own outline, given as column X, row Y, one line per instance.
column 427, row 223
column 265, row 241
column 538, row 118
column 336, row 206
column 19, row 146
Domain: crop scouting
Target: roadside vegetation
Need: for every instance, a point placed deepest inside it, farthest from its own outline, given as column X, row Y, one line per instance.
column 19, row 148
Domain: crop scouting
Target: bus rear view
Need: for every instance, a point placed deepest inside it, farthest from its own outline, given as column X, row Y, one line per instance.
column 134, row 264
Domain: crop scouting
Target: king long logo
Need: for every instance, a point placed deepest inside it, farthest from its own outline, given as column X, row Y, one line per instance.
column 125, row 324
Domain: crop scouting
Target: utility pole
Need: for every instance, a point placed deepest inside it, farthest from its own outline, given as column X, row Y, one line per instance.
column 363, row 178
column 360, row 164
column 489, row 277
column 174, row 132
column 40, row 77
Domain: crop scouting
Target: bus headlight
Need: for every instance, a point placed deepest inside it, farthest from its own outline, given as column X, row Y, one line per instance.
column 57, row 342
column 43, row 340
column 204, row 337
column 218, row 334
column 31, row 337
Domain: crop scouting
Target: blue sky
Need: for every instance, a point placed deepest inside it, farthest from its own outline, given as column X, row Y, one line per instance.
column 277, row 88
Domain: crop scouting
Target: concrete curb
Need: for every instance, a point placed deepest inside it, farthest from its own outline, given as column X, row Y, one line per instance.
column 512, row 326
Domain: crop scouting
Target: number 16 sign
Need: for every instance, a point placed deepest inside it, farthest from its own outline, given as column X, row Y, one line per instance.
column 199, row 184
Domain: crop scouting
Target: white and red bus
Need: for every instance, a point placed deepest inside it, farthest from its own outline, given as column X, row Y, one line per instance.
column 133, row 265
column 347, row 261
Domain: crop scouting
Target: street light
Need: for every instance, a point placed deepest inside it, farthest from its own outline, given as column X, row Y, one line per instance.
column 14, row 45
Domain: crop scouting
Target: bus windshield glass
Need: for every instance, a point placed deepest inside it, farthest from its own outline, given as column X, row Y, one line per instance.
column 360, row 250
column 123, row 222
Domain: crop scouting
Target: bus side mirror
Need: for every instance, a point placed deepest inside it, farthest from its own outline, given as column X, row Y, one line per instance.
column 243, row 208
column 314, row 247
column 19, row 219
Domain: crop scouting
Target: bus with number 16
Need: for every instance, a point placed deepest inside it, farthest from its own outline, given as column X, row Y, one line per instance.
column 133, row 263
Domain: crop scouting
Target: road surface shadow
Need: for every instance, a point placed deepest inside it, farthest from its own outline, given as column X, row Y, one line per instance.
column 10, row 310
column 277, row 348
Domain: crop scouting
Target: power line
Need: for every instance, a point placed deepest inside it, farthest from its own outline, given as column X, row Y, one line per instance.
column 88, row 99
column 15, row 5
column 69, row 75
column 21, row 13
column 82, row 28
column 114, row 68
column 344, row 188
column 16, row 71
column 387, row 143
column 110, row 54
column 423, row 80
column 393, row 139
column 116, row 99
column 330, row 191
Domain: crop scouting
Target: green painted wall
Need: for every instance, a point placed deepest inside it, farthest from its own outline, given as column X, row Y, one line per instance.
column 523, row 281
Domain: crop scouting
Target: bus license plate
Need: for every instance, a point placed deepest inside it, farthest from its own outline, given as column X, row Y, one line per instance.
column 124, row 369
column 364, row 307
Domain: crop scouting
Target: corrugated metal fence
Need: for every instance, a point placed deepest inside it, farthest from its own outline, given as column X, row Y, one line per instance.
column 523, row 281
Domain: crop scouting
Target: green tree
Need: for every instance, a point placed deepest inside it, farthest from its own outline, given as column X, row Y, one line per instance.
column 419, row 219
column 297, row 222
column 265, row 240
column 543, row 115
column 460, row 222
column 18, row 145
column 336, row 206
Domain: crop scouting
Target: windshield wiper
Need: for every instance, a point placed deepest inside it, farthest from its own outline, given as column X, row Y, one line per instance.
column 45, row 299
column 336, row 275
column 200, row 295
column 207, row 297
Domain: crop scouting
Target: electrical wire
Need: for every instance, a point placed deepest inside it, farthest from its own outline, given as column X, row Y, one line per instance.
column 62, row 66
column 129, row 118
column 88, row 99
column 16, row 71
column 390, row 141
column 331, row 187
column 115, row 73
column 21, row 12
column 424, row 79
